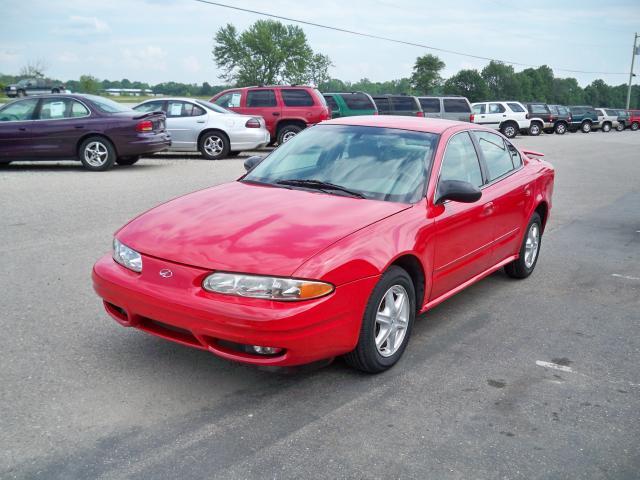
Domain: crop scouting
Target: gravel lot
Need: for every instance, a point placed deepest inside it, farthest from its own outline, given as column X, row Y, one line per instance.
column 83, row 397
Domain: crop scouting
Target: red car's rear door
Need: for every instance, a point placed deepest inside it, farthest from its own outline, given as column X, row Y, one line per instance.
column 262, row 102
column 464, row 231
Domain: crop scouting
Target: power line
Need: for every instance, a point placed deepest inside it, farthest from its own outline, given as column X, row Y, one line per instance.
column 395, row 40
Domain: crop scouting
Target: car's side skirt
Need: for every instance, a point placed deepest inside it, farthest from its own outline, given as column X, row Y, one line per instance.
column 462, row 286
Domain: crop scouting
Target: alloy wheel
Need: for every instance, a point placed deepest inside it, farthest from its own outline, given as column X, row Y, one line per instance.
column 213, row 145
column 392, row 320
column 531, row 245
column 96, row 154
column 288, row 136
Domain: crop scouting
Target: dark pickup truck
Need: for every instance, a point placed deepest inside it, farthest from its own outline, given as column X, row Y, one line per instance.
column 561, row 119
column 583, row 118
column 33, row 86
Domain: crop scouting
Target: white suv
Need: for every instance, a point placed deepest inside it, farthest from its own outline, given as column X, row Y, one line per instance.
column 606, row 121
column 508, row 117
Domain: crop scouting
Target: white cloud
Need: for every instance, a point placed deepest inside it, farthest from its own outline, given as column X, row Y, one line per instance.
column 146, row 58
column 79, row 25
column 67, row 57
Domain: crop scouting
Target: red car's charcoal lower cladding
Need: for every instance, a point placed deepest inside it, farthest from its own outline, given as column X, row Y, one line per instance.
column 385, row 232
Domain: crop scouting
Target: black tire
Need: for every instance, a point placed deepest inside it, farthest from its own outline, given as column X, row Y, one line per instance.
column 287, row 132
column 366, row 356
column 620, row 127
column 104, row 154
column 214, row 145
column 535, row 129
column 585, row 127
column 127, row 160
column 606, row 127
column 634, row 126
column 509, row 129
column 518, row 268
column 560, row 128
column 233, row 154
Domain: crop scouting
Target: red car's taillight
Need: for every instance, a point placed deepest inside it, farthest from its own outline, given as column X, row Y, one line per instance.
column 419, row 114
column 144, row 126
column 252, row 123
column 472, row 117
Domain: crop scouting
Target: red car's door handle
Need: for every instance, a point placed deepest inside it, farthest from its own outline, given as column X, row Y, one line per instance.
column 275, row 114
column 488, row 208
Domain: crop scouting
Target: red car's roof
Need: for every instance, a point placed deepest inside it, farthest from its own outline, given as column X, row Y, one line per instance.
column 418, row 124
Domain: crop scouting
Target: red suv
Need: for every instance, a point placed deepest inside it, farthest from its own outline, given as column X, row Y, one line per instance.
column 634, row 119
column 286, row 109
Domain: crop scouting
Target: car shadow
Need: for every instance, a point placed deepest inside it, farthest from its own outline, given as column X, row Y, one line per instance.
column 65, row 166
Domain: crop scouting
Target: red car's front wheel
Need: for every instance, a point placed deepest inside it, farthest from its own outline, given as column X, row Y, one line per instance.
column 387, row 323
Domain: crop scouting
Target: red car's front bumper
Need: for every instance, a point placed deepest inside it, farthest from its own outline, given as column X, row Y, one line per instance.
column 178, row 309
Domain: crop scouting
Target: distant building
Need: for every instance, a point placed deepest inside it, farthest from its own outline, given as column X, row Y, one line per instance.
column 130, row 92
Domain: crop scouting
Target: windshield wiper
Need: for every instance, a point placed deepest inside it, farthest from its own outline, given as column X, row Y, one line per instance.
column 319, row 185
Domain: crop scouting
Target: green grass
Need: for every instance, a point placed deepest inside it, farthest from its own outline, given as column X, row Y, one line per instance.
column 142, row 98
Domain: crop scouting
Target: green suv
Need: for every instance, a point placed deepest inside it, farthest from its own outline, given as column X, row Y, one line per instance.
column 350, row 104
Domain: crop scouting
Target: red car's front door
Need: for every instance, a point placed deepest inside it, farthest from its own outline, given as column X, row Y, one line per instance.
column 464, row 231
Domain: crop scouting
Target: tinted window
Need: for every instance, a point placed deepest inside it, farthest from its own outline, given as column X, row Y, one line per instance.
column 482, row 108
column 538, row 108
column 177, row 108
column 331, row 102
column 214, row 107
column 296, row 98
column 515, row 107
column 54, row 109
column 22, row 110
column 381, row 163
column 578, row 110
column 191, row 110
column 78, row 109
column 562, row 110
column 495, row 153
column 229, row 100
column 155, row 106
column 357, row 101
column 430, row 105
column 261, row 98
column 496, row 108
column 404, row 103
column 611, row 112
column 107, row 106
column 460, row 161
column 383, row 104
column 516, row 159
column 456, row 105
column 554, row 109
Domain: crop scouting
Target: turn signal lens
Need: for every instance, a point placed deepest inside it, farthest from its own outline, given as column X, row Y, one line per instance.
column 270, row 288
column 252, row 123
column 144, row 126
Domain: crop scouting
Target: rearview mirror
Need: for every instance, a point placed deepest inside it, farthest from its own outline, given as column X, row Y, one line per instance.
column 251, row 162
column 457, row 191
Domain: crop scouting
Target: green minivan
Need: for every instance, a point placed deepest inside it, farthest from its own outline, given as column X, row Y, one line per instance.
column 350, row 104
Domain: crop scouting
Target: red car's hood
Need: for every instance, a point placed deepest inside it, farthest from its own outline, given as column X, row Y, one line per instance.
column 250, row 228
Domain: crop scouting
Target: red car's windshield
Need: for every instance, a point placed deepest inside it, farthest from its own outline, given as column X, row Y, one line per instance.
column 377, row 163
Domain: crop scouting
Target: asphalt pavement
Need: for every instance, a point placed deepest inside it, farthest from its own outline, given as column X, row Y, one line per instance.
column 531, row 379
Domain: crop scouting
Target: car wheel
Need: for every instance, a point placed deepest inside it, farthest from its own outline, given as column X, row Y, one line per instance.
column 606, row 127
column 620, row 127
column 561, row 128
column 634, row 126
column 386, row 324
column 509, row 130
column 534, row 129
column 214, row 145
column 97, row 154
column 127, row 160
column 529, row 250
column 585, row 127
column 287, row 132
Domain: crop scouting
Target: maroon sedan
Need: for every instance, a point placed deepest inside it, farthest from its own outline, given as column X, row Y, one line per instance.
column 97, row 131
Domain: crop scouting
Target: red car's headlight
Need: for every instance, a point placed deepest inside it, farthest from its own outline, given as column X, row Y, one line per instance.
column 270, row 288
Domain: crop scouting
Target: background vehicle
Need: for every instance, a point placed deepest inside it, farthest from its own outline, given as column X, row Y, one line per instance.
column 404, row 105
column 583, row 118
column 509, row 117
column 350, row 104
column 540, row 116
column 287, row 110
column 452, row 107
column 196, row 125
column 606, row 120
column 561, row 119
column 97, row 131
column 623, row 118
column 346, row 271
column 634, row 119
column 33, row 86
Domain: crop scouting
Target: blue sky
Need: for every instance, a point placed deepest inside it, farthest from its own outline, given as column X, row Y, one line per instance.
column 162, row 40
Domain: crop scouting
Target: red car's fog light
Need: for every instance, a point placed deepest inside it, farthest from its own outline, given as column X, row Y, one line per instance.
column 266, row 350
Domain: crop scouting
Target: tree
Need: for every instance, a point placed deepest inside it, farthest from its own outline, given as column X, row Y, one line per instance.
column 501, row 81
column 268, row 52
column 426, row 73
column 566, row 91
column 89, row 84
column 468, row 83
column 34, row 69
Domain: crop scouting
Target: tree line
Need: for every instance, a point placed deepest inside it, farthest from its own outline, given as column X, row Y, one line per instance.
column 269, row 52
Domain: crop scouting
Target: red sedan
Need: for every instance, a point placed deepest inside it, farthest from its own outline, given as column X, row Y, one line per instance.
column 333, row 243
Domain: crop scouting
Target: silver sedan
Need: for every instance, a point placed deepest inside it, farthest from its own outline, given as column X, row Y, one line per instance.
column 197, row 125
